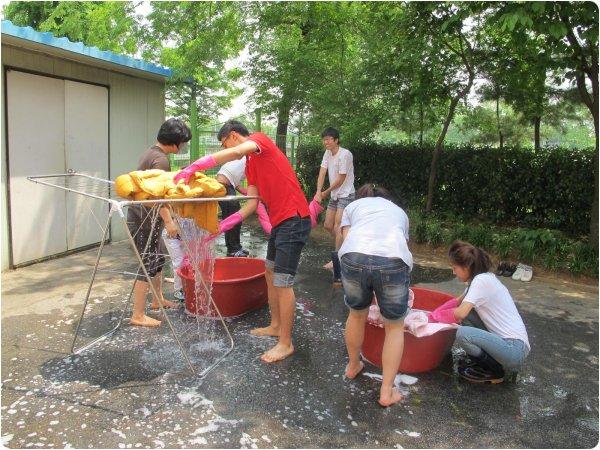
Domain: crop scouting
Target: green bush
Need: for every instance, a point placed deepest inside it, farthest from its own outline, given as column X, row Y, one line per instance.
column 550, row 188
column 546, row 248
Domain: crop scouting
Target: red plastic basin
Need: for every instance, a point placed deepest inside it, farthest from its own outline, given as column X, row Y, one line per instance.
column 239, row 286
column 421, row 354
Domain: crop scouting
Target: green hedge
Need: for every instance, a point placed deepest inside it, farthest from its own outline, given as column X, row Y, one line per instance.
column 543, row 247
column 550, row 188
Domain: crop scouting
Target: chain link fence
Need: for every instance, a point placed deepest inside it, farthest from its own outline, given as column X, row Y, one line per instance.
column 209, row 144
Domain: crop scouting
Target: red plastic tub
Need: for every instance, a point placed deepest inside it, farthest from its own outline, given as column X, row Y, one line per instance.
column 239, row 286
column 420, row 354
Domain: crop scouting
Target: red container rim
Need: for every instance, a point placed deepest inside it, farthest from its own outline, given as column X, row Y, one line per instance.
column 184, row 272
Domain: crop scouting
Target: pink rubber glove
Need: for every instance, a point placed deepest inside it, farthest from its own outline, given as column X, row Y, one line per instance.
column 263, row 218
column 442, row 316
column 314, row 208
column 452, row 303
column 206, row 162
column 229, row 222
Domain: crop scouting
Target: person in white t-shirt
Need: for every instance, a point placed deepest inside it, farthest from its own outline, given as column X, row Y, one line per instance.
column 375, row 259
column 503, row 344
column 338, row 164
column 231, row 175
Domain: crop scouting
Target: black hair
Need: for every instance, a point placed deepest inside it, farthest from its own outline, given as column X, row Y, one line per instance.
column 373, row 190
column 232, row 125
column 173, row 132
column 330, row 132
column 475, row 259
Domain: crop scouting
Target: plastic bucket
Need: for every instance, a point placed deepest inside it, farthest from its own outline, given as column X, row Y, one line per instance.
column 239, row 286
column 421, row 354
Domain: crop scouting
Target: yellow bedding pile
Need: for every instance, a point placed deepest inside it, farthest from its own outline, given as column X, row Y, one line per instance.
column 158, row 184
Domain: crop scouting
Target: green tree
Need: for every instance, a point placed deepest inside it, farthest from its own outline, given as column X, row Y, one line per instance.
column 107, row 25
column 571, row 30
column 299, row 59
column 195, row 39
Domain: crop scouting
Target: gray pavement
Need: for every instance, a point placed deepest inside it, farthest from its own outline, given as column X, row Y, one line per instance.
column 133, row 390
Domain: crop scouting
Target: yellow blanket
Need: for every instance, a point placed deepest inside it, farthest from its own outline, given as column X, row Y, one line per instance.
column 158, row 184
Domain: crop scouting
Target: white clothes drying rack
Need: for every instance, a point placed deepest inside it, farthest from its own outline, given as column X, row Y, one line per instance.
column 100, row 189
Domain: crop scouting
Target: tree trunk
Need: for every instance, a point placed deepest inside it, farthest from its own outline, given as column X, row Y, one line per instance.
column 440, row 141
column 593, row 107
column 195, row 142
column 536, row 132
column 420, row 124
column 500, row 136
column 436, row 153
column 283, row 117
column 594, row 219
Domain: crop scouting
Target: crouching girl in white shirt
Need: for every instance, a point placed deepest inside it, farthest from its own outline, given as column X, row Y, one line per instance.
column 375, row 259
column 503, row 345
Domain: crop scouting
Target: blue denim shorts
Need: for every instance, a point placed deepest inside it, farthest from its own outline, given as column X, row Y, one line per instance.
column 341, row 203
column 284, row 248
column 388, row 278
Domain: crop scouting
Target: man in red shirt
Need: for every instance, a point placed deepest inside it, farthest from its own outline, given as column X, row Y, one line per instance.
column 271, row 177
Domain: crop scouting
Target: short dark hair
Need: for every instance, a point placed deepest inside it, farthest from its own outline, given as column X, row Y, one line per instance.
column 173, row 131
column 473, row 258
column 330, row 132
column 232, row 125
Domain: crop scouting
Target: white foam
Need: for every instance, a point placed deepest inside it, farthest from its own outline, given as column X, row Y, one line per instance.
column 212, row 426
column 246, row 441
column 405, row 379
column 374, row 376
column 199, row 441
column 118, row 433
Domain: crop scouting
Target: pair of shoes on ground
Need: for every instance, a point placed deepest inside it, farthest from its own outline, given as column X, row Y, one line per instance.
column 505, row 269
column 241, row 253
column 523, row 273
column 478, row 374
column 481, row 369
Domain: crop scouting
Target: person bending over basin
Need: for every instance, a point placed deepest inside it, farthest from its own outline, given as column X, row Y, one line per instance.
column 375, row 259
column 499, row 343
column 271, row 177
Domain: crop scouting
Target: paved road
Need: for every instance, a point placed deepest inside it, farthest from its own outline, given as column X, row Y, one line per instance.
column 133, row 390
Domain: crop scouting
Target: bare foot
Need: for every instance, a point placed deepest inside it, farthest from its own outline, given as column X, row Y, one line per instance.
column 277, row 353
column 389, row 396
column 167, row 304
column 352, row 371
column 145, row 321
column 328, row 266
column 266, row 331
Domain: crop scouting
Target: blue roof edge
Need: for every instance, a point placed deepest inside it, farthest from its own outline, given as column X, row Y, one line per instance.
column 47, row 38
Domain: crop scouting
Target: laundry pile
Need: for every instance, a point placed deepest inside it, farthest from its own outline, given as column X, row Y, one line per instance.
column 157, row 184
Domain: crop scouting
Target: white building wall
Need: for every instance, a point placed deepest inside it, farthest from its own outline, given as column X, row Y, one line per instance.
column 136, row 111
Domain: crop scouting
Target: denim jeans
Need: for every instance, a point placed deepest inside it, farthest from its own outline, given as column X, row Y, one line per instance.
column 341, row 203
column 509, row 352
column 283, row 250
column 388, row 278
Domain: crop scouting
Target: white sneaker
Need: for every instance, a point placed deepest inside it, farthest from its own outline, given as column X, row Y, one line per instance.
column 179, row 295
column 519, row 272
column 527, row 273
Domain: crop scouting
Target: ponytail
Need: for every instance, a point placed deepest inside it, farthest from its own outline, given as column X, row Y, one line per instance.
column 475, row 259
column 373, row 190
